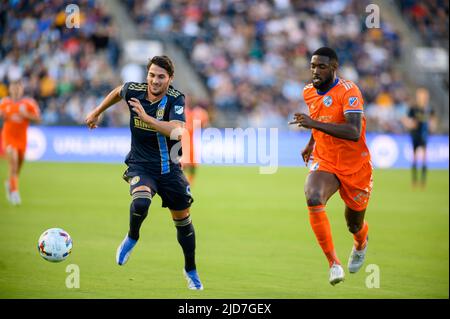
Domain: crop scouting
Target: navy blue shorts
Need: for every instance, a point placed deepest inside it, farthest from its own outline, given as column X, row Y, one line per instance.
column 173, row 187
column 418, row 141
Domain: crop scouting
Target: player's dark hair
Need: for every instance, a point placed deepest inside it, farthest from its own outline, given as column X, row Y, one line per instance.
column 328, row 52
column 162, row 61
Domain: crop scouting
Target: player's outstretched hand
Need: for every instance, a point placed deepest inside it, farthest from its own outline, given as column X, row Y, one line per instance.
column 139, row 109
column 92, row 120
column 302, row 120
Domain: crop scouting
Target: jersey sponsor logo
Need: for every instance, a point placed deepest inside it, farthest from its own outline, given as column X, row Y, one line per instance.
column 325, row 118
column 138, row 123
column 135, row 180
column 179, row 109
column 327, row 100
column 353, row 101
column 16, row 117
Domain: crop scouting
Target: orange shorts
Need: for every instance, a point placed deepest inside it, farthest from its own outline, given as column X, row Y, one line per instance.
column 20, row 151
column 355, row 189
column 16, row 144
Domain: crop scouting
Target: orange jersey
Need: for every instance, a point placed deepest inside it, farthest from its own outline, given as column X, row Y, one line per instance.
column 196, row 114
column 332, row 153
column 15, row 126
column 192, row 115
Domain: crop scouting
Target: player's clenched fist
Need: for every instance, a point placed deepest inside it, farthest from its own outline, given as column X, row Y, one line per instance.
column 139, row 109
column 306, row 153
column 92, row 119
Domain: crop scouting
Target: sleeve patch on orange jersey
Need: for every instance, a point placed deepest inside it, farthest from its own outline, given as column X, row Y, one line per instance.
column 353, row 101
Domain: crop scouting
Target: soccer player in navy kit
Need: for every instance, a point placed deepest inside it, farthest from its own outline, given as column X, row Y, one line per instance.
column 420, row 121
column 156, row 123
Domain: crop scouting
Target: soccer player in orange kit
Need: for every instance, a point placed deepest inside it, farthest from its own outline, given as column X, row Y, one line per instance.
column 196, row 117
column 341, row 158
column 17, row 112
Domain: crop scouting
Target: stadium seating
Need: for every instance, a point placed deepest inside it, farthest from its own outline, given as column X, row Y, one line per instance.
column 65, row 69
column 253, row 56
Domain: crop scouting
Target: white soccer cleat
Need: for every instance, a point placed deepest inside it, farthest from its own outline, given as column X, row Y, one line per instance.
column 336, row 274
column 356, row 259
column 14, row 198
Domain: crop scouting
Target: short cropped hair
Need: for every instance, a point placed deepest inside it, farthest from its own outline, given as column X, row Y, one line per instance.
column 162, row 61
column 328, row 52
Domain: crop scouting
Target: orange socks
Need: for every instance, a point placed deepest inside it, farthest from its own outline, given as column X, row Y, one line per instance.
column 321, row 227
column 360, row 238
column 13, row 184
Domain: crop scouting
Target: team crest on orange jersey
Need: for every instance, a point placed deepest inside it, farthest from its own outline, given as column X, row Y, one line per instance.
column 327, row 100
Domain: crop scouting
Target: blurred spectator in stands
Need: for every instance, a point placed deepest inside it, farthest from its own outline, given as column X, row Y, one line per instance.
column 430, row 18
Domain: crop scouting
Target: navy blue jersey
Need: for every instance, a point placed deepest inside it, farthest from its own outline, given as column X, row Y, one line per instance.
column 149, row 149
column 422, row 117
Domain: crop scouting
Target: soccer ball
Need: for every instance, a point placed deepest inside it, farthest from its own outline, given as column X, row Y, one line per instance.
column 55, row 245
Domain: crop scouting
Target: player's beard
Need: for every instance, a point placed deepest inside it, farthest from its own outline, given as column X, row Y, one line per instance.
column 159, row 90
column 325, row 84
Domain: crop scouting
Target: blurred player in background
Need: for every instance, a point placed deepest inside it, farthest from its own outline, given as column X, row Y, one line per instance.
column 156, row 123
column 420, row 121
column 341, row 158
column 196, row 117
column 17, row 112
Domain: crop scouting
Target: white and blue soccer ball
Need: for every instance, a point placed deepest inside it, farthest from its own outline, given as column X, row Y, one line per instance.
column 55, row 245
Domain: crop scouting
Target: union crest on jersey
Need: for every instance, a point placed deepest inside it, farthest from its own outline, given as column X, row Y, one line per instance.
column 160, row 113
column 135, row 180
column 353, row 101
column 327, row 100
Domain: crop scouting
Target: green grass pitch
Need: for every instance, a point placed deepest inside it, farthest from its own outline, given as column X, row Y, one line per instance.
column 253, row 237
